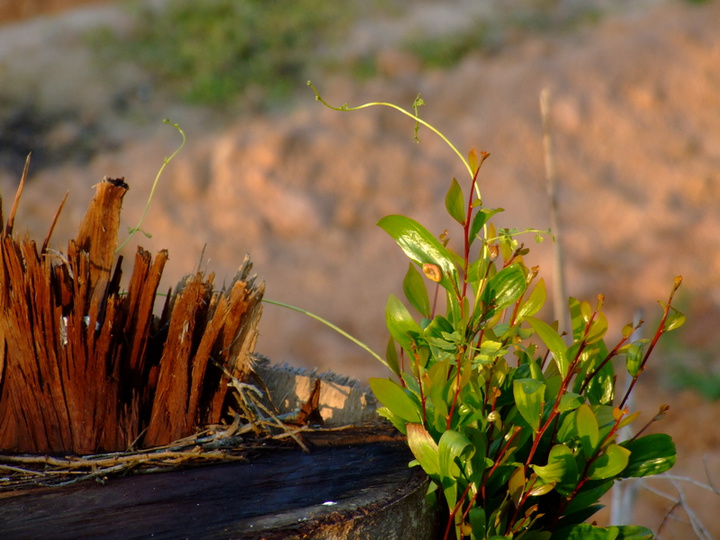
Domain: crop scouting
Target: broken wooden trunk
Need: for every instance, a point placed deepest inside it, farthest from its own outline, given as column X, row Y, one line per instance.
column 86, row 367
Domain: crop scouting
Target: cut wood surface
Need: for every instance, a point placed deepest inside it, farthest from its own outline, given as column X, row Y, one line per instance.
column 87, row 367
column 364, row 491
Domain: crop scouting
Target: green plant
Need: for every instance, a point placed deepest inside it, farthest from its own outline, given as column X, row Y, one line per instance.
column 514, row 422
column 212, row 51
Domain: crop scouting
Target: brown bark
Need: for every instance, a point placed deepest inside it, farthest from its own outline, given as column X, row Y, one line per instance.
column 85, row 367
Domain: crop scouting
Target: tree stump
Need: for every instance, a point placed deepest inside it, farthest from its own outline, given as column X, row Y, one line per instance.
column 86, row 367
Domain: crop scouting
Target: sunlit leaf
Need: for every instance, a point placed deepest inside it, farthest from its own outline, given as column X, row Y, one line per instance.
column 649, row 455
column 424, row 448
column 610, row 463
column 634, row 356
column 674, row 320
column 415, row 291
column 553, row 342
column 535, row 301
column 480, row 219
column 395, row 398
column 505, row 287
column 516, row 485
column 529, row 397
column 633, row 532
column 391, row 357
column 452, row 445
column 421, row 247
column 586, row 531
column 454, row 202
column 400, row 323
column 587, row 429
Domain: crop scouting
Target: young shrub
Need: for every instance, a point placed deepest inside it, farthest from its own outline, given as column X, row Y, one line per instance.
column 514, row 422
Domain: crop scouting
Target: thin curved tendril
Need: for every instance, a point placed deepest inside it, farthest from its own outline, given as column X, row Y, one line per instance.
column 155, row 183
column 415, row 117
column 329, row 325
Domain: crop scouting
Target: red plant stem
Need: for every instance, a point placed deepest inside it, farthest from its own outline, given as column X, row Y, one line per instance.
column 466, row 228
column 584, row 478
column 610, row 356
column 458, row 368
column 498, row 459
column 660, row 331
column 451, row 516
column 516, row 514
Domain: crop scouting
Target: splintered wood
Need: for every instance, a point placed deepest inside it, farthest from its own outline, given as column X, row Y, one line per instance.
column 86, row 367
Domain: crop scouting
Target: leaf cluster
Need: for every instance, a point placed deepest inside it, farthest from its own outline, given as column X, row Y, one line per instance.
column 514, row 422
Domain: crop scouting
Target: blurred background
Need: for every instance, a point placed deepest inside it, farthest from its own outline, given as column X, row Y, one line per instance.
column 269, row 171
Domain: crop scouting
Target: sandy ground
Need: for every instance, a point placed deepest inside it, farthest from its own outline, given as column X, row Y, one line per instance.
column 636, row 121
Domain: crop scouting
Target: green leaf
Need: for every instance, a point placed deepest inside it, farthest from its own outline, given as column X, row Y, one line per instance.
column 576, row 317
column 610, row 463
column 452, row 445
column 416, row 292
column 391, row 357
column 675, row 320
column 480, row 219
column 634, row 356
column 585, row 531
column 395, row 398
column 421, row 247
column 561, row 466
column 633, row 532
column 588, row 430
column 553, row 342
column 478, row 522
column 424, row 448
column 533, row 304
column 529, row 397
column 505, row 287
column 649, row 455
column 589, row 495
column 454, row 202
column 400, row 323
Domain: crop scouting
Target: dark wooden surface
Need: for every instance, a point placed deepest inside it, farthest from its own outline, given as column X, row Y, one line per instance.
column 281, row 494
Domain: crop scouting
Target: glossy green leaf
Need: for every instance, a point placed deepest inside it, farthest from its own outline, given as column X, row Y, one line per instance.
column 610, row 463
column 634, row 356
column 421, row 247
column 455, row 203
column 589, row 495
column 674, row 320
column 587, row 429
column 480, row 219
column 395, row 398
column 576, row 318
column 400, row 323
column 633, row 532
column 391, row 357
column 529, row 397
column 424, row 448
column 569, row 402
column 561, row 465
column 478, row 522
column 516, row 485
column 452, row 445
column 505, row 287
column 415, row 291
column 649, row 455
column 553, row 342
column 534, row 303
column 585, row 531
column 597, row 329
